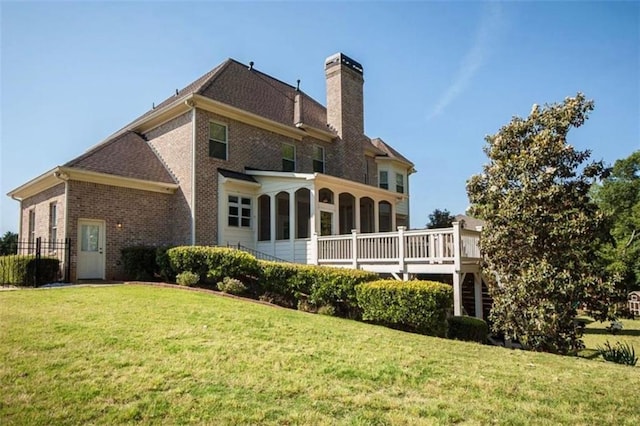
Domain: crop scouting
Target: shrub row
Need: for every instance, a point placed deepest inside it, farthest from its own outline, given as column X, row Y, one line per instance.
column 418, row 306
column 21, row 270
column 314, row 286
column 213, row 264
column 467, row 328
column 145, row 263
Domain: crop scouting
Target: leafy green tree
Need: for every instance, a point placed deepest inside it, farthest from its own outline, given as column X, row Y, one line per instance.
column 440, row 219
column 8, row 243
column 619, row 198
column 537, row 243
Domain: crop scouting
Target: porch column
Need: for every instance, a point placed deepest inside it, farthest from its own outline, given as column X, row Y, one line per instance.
column 313, row 255
column 293, row 224
column 312, row 211
column 393, row 216
column 354, row 248
column 477, row 290
column 401, row 254
column 356, row 214
column 376, row 219
column 273, row 202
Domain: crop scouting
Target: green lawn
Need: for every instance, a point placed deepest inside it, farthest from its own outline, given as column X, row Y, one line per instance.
column 123, row 354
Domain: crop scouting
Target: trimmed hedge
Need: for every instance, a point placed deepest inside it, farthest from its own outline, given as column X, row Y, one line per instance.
column 315, row 285
column 212, row 264
column 139, row 262
column 20, row 270
column 420, row 306
column 467, row 328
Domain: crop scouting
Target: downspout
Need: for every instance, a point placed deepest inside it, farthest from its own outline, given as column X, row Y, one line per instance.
column 67, row 261
column 65, row 178
column 192, row 104
column 19, row 224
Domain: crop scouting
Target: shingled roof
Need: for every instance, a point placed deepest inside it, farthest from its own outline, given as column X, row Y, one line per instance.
column 389, row 151
column 246, row 88
column 126, row 155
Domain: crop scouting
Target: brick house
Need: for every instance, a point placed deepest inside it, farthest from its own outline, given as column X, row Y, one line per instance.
column 237, row 156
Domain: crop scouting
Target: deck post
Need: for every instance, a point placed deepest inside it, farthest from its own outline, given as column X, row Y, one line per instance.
column 313, row 256
column 457, row 294
column 477, row 290
column 354, row 248
column 401, row 256
column 457, row 263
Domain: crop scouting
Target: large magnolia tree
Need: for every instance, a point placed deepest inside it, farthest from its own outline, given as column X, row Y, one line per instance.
column 538, row 242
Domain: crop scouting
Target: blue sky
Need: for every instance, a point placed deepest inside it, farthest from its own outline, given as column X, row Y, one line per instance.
column 438, row 76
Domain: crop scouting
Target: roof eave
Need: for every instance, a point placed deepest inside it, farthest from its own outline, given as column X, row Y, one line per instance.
column 71, row 173
column 36, row 185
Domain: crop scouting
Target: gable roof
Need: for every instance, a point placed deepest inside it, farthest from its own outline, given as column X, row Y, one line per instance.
column 248, row 89
column 389, row 151
column 126, row 155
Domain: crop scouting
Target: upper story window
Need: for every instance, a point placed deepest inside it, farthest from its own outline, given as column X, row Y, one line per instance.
column 217, row 140
column 383, row 182
column 318, row 159
column 239, row 211
column 400, row 183
column 288, row 158
column 53, row 222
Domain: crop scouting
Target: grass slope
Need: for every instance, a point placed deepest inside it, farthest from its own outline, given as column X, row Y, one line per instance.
column 158, row 355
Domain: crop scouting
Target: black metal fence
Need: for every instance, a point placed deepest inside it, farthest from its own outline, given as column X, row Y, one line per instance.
column 33, row 262
column 258, row 254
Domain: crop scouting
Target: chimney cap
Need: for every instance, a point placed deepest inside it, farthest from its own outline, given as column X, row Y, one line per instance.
column 342, row 59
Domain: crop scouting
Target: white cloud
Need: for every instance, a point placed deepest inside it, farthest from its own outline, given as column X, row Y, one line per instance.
column 474, row 59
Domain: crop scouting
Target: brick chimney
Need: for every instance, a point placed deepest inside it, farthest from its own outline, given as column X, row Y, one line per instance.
column 345, row 112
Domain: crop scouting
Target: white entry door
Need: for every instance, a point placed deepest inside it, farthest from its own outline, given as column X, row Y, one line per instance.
column 91, row 244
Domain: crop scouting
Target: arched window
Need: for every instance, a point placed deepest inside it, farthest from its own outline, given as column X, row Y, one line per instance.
column 264, row 218
column 283, row 227
column 325, row 195
column 303, row 212
column 384, row 216
column 346, row 212
column 367, row 218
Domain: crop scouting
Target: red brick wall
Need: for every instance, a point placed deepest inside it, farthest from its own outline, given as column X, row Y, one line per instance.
column 146, row 219
column 247, row 146
column 40, row 203
column 172, row 143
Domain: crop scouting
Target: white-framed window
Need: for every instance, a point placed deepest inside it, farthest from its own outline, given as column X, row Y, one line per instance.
column 383, row 181
column 218, row 141
column 288, row 158
column 32, row 228
column 400, row 183
column 239, row 211
column 318, row 159
column 53, row 222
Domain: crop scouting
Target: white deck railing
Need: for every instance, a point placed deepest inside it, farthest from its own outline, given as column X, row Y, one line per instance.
column 454, row 246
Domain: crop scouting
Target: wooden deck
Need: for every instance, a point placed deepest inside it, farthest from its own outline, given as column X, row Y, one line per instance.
column 402, row 253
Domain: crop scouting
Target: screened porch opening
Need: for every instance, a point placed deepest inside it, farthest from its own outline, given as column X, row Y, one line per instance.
column 303, row 213
column 346, row 213
column 282, row 216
